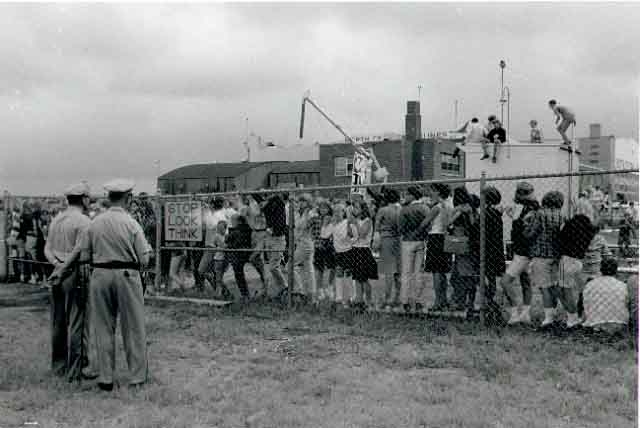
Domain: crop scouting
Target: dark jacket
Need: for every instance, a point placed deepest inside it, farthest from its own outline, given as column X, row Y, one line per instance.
column 520, row 244
column 575, row 236
column 239, row 237
column 471, row 230
column 494, row 259
column 275, row 215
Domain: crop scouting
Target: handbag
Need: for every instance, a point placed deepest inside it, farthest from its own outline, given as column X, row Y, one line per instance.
column 456, row 242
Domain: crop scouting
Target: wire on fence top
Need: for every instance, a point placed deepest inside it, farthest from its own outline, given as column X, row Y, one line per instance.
column 398, row 184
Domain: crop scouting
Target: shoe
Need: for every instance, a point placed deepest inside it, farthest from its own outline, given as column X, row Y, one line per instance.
column 546, row 324
column 525, row 317
column 484, row 157
column 515, row 317
column 407, row 308
column 573, row 321
column 419, row 308
column 105, row 386
column 89, row 375
column 136, row 386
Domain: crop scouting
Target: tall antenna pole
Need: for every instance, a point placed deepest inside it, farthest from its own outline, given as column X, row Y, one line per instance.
column 419, row 91
column 246, row 141
column 503, row 64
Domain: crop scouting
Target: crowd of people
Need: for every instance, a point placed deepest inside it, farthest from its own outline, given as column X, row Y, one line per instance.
column 341, row 245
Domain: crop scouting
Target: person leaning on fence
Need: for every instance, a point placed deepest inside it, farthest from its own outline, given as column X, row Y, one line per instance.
column 436, row 260
column 365, row 267
column 412, row 214
column 387, row 226
column 606, row 301
column 69, row 292
column 275, row 242
column 495, row 264
column 344, row 235
column 239, row 237
column 575, row 237
column 214, row 263
column 597, row 251
column 324, row 256
column 464, row 226
column 305, row 217
column 118, row 250
column 519, row 266
column 542, row 229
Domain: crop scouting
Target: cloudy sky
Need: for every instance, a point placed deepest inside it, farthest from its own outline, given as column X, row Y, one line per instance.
column 98, row 91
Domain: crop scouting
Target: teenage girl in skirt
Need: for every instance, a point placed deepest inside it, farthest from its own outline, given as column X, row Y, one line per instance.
column 324, row 258
column 436, row 260
column 344, row 234
column 364, row 266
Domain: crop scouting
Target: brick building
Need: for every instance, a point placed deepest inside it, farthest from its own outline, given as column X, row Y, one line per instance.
column 410, row 157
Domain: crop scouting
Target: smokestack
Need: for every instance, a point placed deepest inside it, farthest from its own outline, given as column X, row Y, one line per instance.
column 595, row 131
column 413, row 121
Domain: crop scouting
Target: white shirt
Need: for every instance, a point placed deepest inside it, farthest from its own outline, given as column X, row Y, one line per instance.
column 212, row 218
column 364, row 239
column 476, row 133
column 605, row 301
column 341, row 242
column 440, row 223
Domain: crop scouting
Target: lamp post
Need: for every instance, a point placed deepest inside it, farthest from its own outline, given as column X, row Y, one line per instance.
column 503, row 64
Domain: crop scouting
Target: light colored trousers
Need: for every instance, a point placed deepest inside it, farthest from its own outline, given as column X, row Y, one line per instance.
column 116, row 291
column 277, row 243
column 412, row 278
column 304, row 271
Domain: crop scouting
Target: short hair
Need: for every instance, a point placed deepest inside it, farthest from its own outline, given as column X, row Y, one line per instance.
column 364, row 209
column 609, row 267
column 492, row 195
column 217, row 203
column 391, row 196
column 553, row 199
column 491, row 118
column 443, row 189
column 75, row 200
column 533, row 122
column 474, row 120
column 461, row 196
column 552, row 102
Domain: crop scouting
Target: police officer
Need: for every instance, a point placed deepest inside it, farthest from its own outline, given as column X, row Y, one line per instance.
column 118, row 249
column 69, row 320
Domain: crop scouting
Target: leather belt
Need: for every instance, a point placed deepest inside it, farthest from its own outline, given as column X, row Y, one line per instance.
column 117, row 265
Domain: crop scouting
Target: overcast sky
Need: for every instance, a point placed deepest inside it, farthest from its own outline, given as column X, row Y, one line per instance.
column 99, row 91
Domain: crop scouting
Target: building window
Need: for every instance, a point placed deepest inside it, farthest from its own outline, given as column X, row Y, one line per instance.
column 342, row 166
column 594, row 153
column 593, row 161
column 449, row 164
column 595, row 146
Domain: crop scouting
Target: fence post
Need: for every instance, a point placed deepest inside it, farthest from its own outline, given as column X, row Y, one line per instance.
column 291, row 248
column 4, row 251
column 483, row 245
column 159, row 226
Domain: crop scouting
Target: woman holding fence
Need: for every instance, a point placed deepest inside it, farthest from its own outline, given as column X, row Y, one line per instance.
column 305, row 221
column 388, row 227
column 364, row 266
column 436, row 260
column 465, row 223
column 324, row 256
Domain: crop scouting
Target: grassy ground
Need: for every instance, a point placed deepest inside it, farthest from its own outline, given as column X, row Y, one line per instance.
column 264, row 367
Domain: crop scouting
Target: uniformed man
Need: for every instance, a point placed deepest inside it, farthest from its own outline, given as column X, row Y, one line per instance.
column 118, row 249
column 69, row 293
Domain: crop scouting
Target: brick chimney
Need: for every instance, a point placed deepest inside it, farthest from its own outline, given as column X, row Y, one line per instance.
column 594, row 130
column 413, row 121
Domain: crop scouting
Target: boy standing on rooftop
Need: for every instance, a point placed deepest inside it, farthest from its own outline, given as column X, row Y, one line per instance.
column 566, row 117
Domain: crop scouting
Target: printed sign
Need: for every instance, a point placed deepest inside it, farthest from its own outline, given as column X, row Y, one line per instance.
column 361, row 174
column 183, row 221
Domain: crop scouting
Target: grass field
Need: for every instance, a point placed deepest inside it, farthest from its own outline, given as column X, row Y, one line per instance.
column 264, row 367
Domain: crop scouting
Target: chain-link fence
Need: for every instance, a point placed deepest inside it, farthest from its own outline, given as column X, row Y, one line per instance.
column 514, row 249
